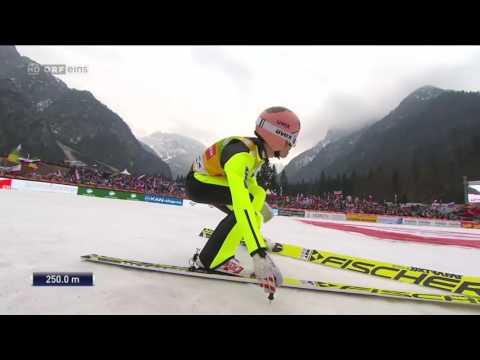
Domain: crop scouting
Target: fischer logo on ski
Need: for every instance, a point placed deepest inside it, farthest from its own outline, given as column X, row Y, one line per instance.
column 453, row 283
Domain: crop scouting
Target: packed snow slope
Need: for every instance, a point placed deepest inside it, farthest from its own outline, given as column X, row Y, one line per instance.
column 42, row 232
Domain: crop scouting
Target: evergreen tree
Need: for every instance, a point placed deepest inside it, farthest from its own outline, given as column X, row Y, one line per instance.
column 396, row 183
column 274, row 181
column 344, row 184
column 323, row 183
column 353, row 183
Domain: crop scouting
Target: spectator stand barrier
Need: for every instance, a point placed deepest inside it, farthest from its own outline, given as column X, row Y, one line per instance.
column 470, row 225
column 361, row 217
column 326, row 215
column 169, row 200
column 291, row 212
column 42, row 185
column 110, row 193
column 22, row 185
column 385, row 219
column 5, row 184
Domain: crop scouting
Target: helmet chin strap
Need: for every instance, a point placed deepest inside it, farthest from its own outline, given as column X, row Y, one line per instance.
column 275, row 153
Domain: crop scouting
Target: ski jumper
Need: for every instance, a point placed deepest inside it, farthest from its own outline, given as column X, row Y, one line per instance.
column 224, row 175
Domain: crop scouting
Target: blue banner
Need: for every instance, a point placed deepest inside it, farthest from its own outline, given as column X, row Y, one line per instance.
column 164, row 200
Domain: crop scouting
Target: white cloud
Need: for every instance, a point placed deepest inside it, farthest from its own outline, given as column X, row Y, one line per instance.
column 215, row 91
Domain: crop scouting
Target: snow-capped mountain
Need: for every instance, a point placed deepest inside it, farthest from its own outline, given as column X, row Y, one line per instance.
column 420, row 149
column 177, row 151
column 338, row 144
column 424, row 93
column 305, row 158
column 57, row 123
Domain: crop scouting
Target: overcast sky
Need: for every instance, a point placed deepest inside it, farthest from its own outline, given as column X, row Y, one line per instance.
column 210, row 92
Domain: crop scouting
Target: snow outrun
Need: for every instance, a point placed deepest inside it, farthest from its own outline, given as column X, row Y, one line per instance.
column 45, row 232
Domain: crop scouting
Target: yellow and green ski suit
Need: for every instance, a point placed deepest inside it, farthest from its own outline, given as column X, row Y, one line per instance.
column 224, row 175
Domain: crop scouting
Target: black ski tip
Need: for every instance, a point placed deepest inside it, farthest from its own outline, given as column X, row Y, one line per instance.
column 277, row 247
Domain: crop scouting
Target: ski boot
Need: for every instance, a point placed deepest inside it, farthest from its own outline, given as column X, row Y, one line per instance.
column 231, row 267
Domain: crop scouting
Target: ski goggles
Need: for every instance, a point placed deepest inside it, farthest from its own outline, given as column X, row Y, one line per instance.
column 291, row 138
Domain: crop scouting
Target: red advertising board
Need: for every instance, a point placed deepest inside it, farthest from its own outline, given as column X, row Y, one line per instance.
column 6, row 184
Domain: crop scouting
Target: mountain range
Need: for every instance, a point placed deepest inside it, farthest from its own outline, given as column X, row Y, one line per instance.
column 56, row 123
column 427, row 143
column 178, row 151
column 421, row 149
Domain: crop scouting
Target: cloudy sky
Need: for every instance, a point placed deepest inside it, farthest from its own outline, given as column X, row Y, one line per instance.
column 209, row 92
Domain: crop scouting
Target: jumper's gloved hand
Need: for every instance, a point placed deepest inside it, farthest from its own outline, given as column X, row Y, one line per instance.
column 266, row 272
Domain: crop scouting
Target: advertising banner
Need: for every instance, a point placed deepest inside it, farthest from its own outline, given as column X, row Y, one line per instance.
column 325, row 215
column 473, row 192
column 470, row 225
column 447, row 223
column 110, row 194
column 389, row 219
column 136, row 197
column 431, row 222
column 409, row 221
column 425, row 222
column 291, row 212
column 341, row 217
column 316, row 215
column 164, row 200
column 43, row 187
column 5, row 184
column 362, row 217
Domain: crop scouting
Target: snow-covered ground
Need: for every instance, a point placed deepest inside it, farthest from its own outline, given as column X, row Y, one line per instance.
column 49, row 232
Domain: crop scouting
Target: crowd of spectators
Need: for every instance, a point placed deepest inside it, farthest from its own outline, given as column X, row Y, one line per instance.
column 123, row 181
column 338, row 203
column 333, row 202
column 91, row 176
